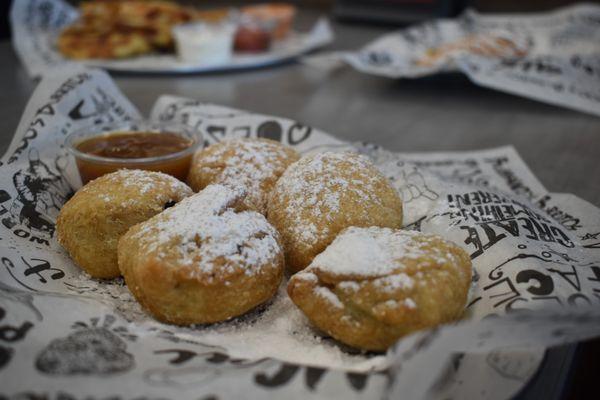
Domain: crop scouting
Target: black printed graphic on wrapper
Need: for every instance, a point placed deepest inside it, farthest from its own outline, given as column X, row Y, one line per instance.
column 312, row 377
column 467, row 172
column 413, row 185
column 34, row 268
column 270, row 130
column 24, row 298
column 542, row 266
column 298, row 133
column 512, row 179
column 91, row 350
column 191, row 112
column 66, row 395
column 183, row 369
column 44, row 115
column 377, row 58
column 489, row 217
column 207, row 366
column 40, row 192
column 100, row 108
column 6, row 354
column 570, row 222
column 177, row 111
column 10, row 334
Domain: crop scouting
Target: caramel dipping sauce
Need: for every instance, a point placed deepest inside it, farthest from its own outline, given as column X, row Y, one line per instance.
column 163, row 150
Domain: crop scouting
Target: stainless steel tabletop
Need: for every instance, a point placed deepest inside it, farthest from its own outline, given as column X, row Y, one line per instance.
column 446, row 112
column 440, row 113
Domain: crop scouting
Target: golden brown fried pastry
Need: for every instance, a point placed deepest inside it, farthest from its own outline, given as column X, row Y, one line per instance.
column 320, row 195
column 251, row 164
column 204, row 260
column 92, row 221
column 82, row 42
column 119, row 29
column 373, row 285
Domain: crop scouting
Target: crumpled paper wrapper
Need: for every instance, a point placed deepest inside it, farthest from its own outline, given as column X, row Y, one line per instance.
column 36, row 24
column 553, row 57
column 535, row 255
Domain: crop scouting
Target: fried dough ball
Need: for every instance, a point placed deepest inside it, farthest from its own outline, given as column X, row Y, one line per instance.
column 320, row 195
column 90, row 224
column 251, row 164
column 374, row 285
column 204, row 260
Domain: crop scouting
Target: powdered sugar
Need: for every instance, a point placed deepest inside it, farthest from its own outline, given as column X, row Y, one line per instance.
column 373, row 252
column 348, row 285
column 140, row 181
column 247, row 164
column 409, row 303
column 113, row 292
column 281, row 328
column 394, row 282
column 318, row 183
column 307, row 276
column 205, row 230
column 144, row 181
column 328, row 295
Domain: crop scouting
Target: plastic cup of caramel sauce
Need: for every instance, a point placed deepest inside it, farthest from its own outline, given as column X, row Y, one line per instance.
column 147, row 145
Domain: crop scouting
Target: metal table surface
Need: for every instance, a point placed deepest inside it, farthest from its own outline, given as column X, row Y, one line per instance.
column 440, row 113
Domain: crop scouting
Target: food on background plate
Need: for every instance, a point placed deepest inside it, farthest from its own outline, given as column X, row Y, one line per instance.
column 320, row 195
column 90, row 224
column 372, row 286
column 204, row 260
column 81, row 42
column 113, row 29
column 482, row 44
column 252, row 164
column 214, row 15
column 252, row 38
column 155, row 17
column 148, row 146
column 120, row 29
column 279, row 15
column 209, row 44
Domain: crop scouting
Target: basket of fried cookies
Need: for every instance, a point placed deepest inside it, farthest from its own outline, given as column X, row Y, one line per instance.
column 254, row 214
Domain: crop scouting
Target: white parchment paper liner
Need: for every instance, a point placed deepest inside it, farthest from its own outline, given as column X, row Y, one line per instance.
column 104, row 344
column 36, row 23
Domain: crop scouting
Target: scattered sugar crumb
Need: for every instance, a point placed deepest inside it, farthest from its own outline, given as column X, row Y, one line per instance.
column 349, row 285
column 327, row 294
column 394, row 282
column 306, row 276
column 410, row 303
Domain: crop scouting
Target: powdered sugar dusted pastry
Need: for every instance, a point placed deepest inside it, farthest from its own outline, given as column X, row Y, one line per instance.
column 373, row 285
column 92, row 221
column 204, row 260
column 251, row 164
column 320, row 195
